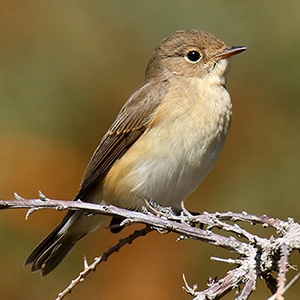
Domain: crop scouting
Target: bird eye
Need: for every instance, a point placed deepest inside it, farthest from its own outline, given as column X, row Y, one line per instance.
column 193, row 56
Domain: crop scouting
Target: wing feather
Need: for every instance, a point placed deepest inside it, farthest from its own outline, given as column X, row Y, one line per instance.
column 130, row 124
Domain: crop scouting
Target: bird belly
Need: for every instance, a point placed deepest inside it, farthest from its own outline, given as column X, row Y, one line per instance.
column 163, row 173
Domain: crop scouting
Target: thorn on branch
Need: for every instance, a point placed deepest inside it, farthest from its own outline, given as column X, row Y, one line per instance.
column 181, row 238
column 30, row 212
column 85, row 263
column 18, row 197
column 64, row 207
column 43, row 197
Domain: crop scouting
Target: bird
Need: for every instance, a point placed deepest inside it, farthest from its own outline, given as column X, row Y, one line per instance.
column 163, row 143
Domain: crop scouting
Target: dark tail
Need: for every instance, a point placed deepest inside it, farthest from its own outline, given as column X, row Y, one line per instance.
column 47, row 255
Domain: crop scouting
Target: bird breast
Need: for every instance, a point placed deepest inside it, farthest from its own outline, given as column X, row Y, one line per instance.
column 177, row 151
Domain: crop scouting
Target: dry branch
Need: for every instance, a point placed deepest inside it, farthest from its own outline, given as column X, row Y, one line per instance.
column 98, row 260
column 258, row 256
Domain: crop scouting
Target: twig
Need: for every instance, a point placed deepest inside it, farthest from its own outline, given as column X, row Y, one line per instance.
column 291, row 283
column 98, row 260
column 190, row 290
column 222, row 286
column 283, row 268
column 250, row 284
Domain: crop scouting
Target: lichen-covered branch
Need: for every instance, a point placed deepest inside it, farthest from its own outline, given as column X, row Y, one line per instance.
column 258, row 256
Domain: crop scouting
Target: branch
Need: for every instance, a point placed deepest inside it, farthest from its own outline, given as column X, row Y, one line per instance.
column 98, row 260
column 258, row 256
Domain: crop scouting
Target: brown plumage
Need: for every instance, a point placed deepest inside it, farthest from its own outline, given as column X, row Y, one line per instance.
column 163, row 143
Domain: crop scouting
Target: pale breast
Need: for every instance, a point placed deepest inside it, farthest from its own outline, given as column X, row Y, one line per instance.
column 178, row 150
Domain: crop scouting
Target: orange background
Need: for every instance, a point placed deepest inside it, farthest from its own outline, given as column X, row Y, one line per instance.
column 66, row 68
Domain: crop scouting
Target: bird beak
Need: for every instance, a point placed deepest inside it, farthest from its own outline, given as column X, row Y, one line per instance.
column 228, row 52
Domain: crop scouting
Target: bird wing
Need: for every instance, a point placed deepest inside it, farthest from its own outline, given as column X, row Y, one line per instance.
column 129, row 125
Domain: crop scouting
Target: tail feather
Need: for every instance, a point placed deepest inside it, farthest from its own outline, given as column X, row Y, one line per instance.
column 47, row 255
column 48, row 240
column 52, row 256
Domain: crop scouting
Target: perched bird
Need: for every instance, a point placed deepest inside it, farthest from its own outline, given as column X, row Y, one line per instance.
column 163, row 143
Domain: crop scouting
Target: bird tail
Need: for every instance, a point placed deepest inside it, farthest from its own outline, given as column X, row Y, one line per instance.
column 47, row 255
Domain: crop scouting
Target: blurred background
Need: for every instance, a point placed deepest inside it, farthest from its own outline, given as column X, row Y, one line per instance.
column 66, row 68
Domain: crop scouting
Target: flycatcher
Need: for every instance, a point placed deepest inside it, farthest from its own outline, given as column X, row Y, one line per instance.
column 165, row 140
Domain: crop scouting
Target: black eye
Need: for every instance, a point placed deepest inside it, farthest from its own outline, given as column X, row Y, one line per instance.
column 193, row 56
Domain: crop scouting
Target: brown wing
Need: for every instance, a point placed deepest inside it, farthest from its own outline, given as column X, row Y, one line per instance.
column 129, row 125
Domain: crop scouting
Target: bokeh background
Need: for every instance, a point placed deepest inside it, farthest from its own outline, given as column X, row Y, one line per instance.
column 66, row 68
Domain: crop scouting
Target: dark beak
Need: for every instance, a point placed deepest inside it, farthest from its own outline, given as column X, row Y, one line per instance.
column 230, row 51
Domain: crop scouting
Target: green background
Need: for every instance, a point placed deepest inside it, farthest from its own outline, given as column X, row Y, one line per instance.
column 66, row 68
